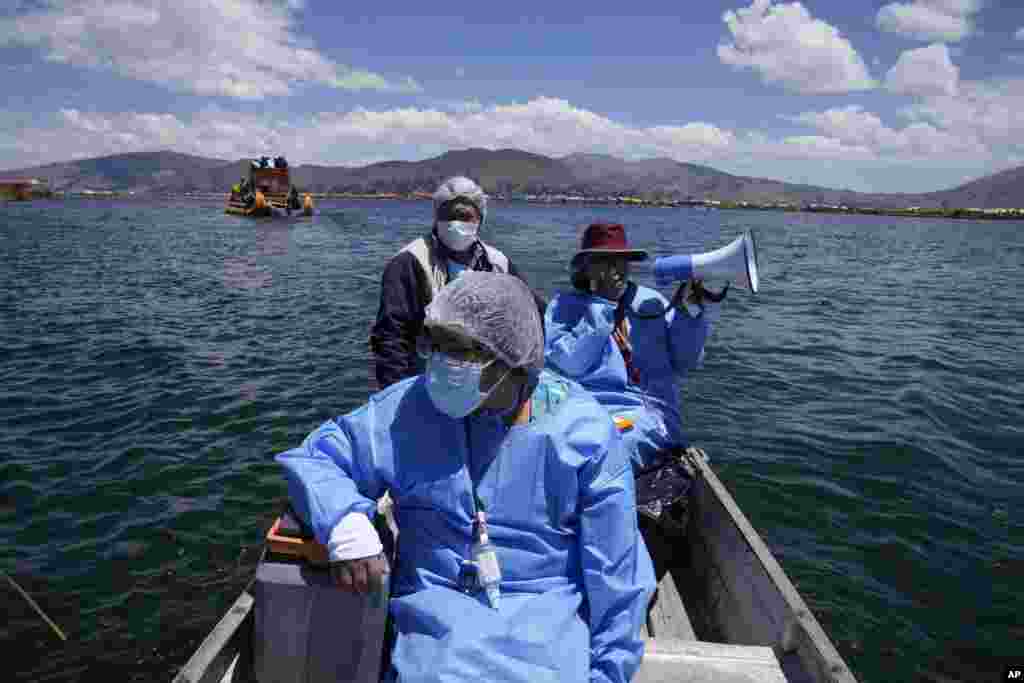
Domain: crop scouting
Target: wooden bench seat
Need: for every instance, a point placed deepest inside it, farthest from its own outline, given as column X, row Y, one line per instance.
column 678, row 661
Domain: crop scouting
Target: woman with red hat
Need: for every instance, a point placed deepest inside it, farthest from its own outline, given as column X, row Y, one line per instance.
column 630, row 348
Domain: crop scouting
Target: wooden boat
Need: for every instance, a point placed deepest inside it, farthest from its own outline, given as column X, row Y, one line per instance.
column 22, row 189
column 724, row 611
column 271, row 188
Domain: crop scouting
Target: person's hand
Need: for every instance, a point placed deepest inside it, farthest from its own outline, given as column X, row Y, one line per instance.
column 698, row 294
column 362, row 576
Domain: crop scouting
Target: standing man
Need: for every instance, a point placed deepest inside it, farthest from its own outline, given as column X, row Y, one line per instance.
column 414, row 276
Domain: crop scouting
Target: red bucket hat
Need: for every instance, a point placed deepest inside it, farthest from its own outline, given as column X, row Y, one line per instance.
column 608, row 239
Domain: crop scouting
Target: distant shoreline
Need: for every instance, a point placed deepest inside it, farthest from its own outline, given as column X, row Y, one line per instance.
column 561, row 200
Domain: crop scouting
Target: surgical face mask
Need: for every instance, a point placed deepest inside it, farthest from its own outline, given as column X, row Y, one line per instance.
column 457, row 235
column 454, row 385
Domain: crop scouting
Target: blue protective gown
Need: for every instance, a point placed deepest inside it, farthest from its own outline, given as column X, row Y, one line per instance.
column 576, row 577
column 578, row 328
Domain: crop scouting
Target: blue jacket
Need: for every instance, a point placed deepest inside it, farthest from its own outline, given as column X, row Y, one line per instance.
column 576, row 577
column 578, row 327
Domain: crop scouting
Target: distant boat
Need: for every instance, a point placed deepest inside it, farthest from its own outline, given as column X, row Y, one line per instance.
column 22, row 189
column 268, row 192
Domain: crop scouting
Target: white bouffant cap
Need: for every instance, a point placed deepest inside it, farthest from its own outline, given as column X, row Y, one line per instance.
column 461, row 187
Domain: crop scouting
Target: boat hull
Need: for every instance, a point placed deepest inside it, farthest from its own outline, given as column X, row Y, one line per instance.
column 724, row 611
column 736, row 592
column 249, row 212
column 272, row 209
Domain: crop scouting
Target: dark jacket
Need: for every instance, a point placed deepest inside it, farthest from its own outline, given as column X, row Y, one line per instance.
column 406, row 290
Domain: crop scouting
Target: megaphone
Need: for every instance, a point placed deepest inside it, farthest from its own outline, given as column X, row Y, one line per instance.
column 736, row 262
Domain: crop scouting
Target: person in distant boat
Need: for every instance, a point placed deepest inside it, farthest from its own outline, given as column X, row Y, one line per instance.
column 519, row 557
column 422, row 267
column 248, row 195
column 631, row 349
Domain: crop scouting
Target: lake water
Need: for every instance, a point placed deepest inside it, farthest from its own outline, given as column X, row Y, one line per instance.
column 866, row 409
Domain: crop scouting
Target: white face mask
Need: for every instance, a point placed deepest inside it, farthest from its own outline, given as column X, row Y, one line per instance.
column 457, row 235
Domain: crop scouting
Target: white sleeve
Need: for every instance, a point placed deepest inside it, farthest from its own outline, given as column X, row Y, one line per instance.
column 353, row 538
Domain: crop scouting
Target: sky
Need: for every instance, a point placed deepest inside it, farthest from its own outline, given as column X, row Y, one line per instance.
column 877, row 96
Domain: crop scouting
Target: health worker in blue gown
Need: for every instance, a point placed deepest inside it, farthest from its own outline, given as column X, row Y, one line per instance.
column 631, row 349
column 518, row 552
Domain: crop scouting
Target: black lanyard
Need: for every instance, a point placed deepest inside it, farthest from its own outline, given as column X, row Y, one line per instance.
column 478, row 504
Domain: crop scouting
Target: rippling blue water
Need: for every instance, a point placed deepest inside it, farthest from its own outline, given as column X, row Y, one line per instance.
column 866, row 409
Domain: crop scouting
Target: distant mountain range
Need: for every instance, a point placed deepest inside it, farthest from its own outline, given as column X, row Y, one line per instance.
column 507, row 171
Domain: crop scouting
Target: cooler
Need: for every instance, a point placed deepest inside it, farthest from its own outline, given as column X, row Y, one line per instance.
column 307, row 630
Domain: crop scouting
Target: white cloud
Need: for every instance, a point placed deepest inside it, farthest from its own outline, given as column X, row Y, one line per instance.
column 919, row 141
column 543, row 125
column 924, row 71
column 988, row 111
column 851, row 125
column 978, row 128
column 236, row 48
column 930, row 20
column 789, row 47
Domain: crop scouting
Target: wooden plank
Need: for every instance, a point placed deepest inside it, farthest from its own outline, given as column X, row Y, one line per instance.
column 756, row 603
column 218, row 651
column 694, row 661
column 668, row 617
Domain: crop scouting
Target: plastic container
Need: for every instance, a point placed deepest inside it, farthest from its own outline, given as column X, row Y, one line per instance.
column 306, row 629
column 485, row 558
column 309, row 631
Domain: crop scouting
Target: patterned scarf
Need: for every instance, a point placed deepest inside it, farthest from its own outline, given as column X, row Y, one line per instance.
column 620, row 334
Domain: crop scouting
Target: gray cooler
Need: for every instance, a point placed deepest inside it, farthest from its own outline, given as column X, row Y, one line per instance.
column 309, row 631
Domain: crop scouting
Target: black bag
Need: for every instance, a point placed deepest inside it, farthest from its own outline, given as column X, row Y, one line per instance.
column 662, row 492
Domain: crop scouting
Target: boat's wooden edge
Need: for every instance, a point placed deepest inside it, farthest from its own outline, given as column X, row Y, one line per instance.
column 217, row 652
column 800, row 632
